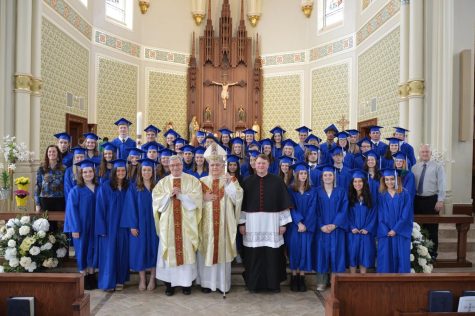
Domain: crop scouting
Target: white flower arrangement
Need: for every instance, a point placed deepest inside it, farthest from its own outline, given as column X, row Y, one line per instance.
column 421, row 261
column 29, row 246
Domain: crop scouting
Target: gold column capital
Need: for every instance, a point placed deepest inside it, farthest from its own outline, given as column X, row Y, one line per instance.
column 253, row 19
column 403, row 90
column 22, row 82
column 416, row 88
column 36, row 86
column 307, row 10
column 198, row 17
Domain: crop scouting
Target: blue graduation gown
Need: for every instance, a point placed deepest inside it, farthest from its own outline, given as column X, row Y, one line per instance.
column 315, row 177
column 358, row 161
column 105, row 177
column 274, row 167
column 301, row 245
column 394, row 214
column 69, row 182
column 343, row 178
column 331, row 247
column 409, row 151
column 349, row 160
column 276, row 152
column 325, row 157
column 113, row 241
column 197, row 175
column 362, row 248
column 299, row 153
column 121, row 153
column 387, row 163
column 138, row 214
column 79, row 218
column 374, row 189
column 380, row 149
column 68, row 159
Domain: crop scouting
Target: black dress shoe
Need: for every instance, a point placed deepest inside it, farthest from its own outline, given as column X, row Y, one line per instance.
column 187, row 290
column 169, row 290
column 302, row 285
column 204, row 290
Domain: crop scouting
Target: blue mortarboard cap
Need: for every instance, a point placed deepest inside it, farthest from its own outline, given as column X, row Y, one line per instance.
column 249, row 131
column 255, row 143
column 393, row 140
column 200, row 150
column 238, row 140
column 187, row 148
column 253, row 153
column 313, row 137
column 123, row 121
column 342, row 135
column 78, row 150
column 87, row 163
column 300, row 166
column 211, row 136
column 286, row 159
column 146, row 162
column 152, row 128
column 312, row 148
column 337, row 150
column 359, row 174
column 172, row 132
column 401, row 130
column 399, row 155
column 331, row 128
column 371, row 153
column 180, row 140
column 91, row 136
column 119, row 163
column 233, row 158
column 364, row 140
column 200, row 134
column 353, row 132
column 165, row 152
column 289, row 142
column 303, row 129
column 277, row 130
column 225, row 131
column 375, row 128
column 265, row 141
column 63, row 135
column 152, row 146
column 134, row 151
column 109, row 146
column 326, row 168
column 388, row 172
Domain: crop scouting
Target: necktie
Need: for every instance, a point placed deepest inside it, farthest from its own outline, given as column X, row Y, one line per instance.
column 420, row 185
column 123, row 140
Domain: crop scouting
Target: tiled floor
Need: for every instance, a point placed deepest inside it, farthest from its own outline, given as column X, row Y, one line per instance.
column 238, row 302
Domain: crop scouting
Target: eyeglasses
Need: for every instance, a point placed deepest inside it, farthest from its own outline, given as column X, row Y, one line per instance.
column 174, row 165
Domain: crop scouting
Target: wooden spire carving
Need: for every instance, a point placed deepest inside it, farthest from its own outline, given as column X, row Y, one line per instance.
column 209, row 38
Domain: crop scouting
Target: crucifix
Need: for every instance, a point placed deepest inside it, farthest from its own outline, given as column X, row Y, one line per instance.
column 226, row 85
column 343, row 122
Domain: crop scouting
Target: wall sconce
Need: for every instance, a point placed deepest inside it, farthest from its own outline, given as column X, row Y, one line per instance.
column 144, row 5
column 198, row 9
column 307, row 7
column 254, row 11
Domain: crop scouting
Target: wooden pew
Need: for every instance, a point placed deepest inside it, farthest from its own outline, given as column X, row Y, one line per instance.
column 462, row 223
column 52, row 216
column 391, row 294
column 54, row 293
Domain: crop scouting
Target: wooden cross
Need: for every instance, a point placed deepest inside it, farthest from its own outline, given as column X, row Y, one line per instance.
column 343, row 122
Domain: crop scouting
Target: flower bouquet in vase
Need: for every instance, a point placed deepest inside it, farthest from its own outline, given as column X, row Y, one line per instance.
column 421, row 261
column 22, row 184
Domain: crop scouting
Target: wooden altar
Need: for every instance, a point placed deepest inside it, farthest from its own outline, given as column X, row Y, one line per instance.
column 224, row 83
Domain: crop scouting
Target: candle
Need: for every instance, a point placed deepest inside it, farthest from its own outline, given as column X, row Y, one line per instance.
column 139, row 123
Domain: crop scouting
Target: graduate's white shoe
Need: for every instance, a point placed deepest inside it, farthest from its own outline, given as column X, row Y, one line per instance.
column 321, row 287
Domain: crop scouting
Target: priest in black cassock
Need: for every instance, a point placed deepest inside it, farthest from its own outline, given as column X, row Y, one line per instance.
column 265, row 212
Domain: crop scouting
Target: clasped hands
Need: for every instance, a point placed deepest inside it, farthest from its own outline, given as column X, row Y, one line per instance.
column 359, row 231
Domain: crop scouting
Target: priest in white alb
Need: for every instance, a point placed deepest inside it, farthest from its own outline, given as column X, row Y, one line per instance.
column 177, row 201
column 222, row 198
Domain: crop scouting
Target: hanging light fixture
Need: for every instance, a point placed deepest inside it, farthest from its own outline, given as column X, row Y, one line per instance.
column 144, row 5
column 307, row 7
column 198, row 9
column 254, row 11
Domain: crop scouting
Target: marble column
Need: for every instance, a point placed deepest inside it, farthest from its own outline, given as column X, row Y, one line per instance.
column 22, row 75
column 36, row 83
column 404, row 65
column 416, row 72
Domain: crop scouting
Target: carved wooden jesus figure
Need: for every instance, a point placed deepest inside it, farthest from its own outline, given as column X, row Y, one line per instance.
column 224, row 92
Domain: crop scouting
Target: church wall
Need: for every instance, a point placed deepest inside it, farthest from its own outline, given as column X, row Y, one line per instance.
column 116, row 94
column 64, row 68
column 165, row 95
column 378, row 77
column 330, row 95
column 283, row 102
column 463, row 38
